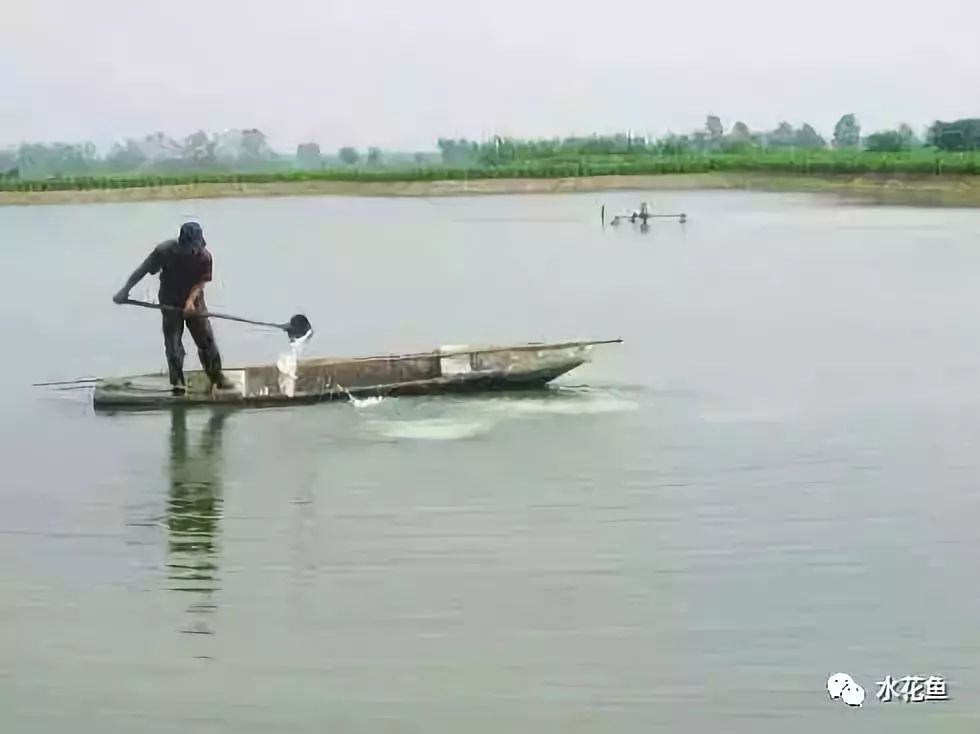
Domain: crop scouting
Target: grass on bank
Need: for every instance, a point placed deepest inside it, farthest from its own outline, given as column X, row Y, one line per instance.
column 816, row 163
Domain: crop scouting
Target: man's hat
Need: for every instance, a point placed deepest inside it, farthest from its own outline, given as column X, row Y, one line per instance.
column 191, row 234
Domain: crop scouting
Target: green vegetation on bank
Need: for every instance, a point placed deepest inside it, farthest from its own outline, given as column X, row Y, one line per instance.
column 237, row 157
column 808, row 163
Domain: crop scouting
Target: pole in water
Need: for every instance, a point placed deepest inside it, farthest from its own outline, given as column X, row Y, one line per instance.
column 603, row 215
column 76, row 381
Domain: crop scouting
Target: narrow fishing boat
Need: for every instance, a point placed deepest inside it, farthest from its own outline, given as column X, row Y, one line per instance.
column 316, row 380
column 643, row 215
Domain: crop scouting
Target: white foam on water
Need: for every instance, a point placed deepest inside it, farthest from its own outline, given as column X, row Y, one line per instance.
column 365, row 402
column 565, row 406
column 561, row 401
column 473, row 418
column 434, row 429
column 480, row 417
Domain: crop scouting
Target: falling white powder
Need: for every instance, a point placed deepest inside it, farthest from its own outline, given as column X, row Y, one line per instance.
column 287, row 364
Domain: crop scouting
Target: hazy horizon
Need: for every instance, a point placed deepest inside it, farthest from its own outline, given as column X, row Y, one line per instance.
column 399, row 77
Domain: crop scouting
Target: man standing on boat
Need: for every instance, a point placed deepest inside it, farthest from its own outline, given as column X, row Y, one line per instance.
column 184, row 265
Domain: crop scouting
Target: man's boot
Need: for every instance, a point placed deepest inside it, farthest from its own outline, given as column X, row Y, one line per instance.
column 177, row 384
column 212, row 366
column 177, row 387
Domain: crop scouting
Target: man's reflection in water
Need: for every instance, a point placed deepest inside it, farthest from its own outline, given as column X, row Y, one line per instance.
column 194, row 515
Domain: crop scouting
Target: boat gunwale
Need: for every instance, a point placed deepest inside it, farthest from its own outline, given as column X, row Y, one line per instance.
column 157, row 400
column 439, row 354
column 434, row 354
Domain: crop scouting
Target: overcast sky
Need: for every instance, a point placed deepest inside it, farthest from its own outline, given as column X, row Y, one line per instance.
column 399, row 74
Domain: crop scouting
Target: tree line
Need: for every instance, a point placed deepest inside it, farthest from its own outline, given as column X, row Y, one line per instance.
column 234, row 151
column 248, row 150
column 713, row 138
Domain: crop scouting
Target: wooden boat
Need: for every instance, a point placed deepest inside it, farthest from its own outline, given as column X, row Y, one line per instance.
column 445, row 370
column 642, row 215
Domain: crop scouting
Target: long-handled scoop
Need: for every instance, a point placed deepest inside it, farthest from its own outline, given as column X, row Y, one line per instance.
column 296, row 328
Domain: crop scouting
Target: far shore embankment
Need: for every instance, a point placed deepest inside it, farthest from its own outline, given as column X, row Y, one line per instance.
column 953, row 190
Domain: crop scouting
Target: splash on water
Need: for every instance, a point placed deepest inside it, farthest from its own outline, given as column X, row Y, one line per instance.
column 365, row 402
column 359, row 402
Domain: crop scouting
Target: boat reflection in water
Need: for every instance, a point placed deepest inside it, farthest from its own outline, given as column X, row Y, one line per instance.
column 194, row 513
